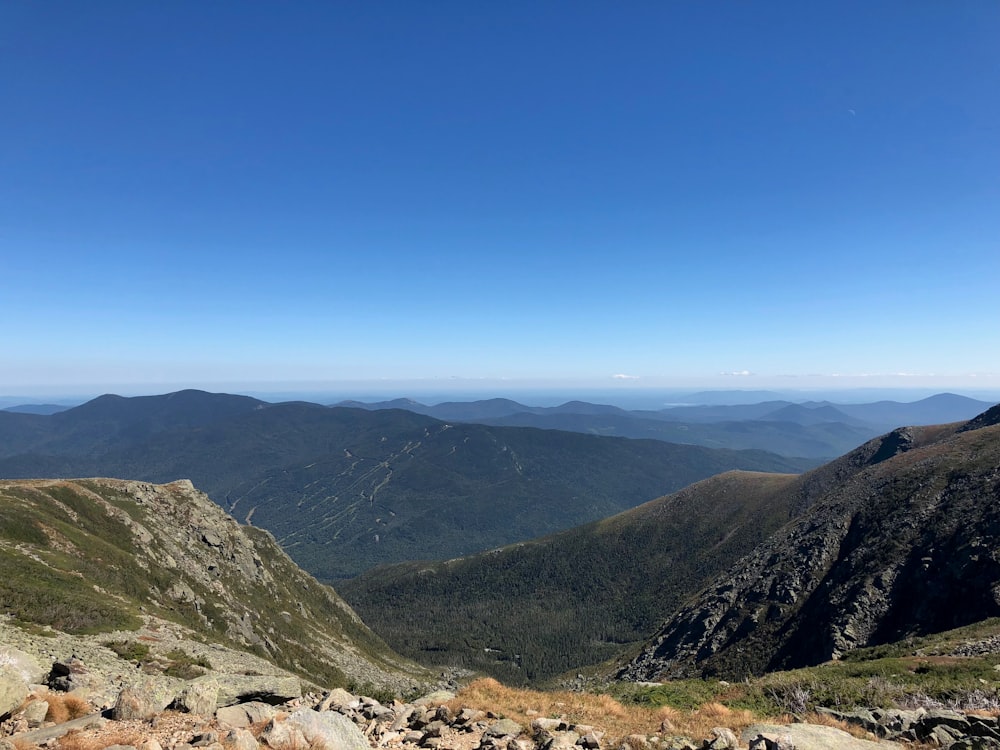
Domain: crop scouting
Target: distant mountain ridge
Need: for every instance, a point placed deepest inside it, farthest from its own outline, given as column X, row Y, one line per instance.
column 812, row 429
column 345, row 489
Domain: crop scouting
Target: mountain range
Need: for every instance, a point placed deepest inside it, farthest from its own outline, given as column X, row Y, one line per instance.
column 345, row 489
column 820, row 429
column 738, row 574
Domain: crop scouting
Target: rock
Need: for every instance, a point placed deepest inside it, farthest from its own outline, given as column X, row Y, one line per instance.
column 806, row 737
column 150, row 744
column 722, row 738
column 34, row 713
column 281, row 734
column 975, row 743
column 239, row 688
column 338, row 698
column 943, row 735
column 561, row 741
column 544, row 724
column 504, row 728
column 21, row 663
column 590, row 741
column 204, row 739
column 120, row 747
column 328, row 730
column 199, row 697
column 469, row 716
column 245, row 714
column 240, row 739
column 143, row 699
column 13, row 689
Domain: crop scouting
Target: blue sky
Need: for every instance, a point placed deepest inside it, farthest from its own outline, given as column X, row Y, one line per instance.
column 720, row 194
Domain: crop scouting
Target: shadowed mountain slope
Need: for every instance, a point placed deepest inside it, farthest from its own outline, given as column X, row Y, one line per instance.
column 346, row 489
column 899, row 538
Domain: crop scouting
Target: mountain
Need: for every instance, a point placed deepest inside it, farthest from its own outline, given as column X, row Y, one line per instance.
column 898, row 539
column 937, row 409
column 532, row 610
column 114, row 556
column 45, row 409
column 588, row 593
column 820, row 440
column 346, row 489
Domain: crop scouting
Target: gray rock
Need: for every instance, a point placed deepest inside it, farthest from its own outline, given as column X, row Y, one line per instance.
column 469, row 716
column 21, row 663
column 544, row 724
column 975, row 743
column 561, row 741
column 943, row 735
column 328, row 730
column 338, row 698
column 245, row 714
column 199, row 697
column 34, row 713
column 13, row 689
column 281, row 734
column 142, row 699
column 806, row 737
column 240, row 739
column 590, row 741
column 722, row 738
column 504, row 728
column 240, row 688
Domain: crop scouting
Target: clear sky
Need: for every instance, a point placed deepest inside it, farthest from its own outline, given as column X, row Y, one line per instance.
column 734, row 194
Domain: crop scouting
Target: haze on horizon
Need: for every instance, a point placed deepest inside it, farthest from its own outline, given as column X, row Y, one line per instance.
column 473, row 198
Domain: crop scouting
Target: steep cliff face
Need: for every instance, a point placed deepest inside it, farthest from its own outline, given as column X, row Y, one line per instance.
column 105, row 554
column 899, row 537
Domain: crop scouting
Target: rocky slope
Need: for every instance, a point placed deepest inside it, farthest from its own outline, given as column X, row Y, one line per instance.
column 104, row 555
column 898, row 538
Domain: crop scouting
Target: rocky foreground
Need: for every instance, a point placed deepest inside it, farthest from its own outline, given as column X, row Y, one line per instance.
column 71, row 707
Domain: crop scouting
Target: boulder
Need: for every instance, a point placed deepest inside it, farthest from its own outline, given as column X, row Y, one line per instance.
column 504, row 728
column 13, row 689
column 328, row 730
column 240, row 739
column 338, row 698
column 142, row 699
column 245, row 714
column 34, row 713
column 806, row 737
column 722, row 738
column 22, row 663
column 199, row 697
column 241, row 688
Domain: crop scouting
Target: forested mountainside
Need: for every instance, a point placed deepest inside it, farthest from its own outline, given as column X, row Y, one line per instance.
column 346, row 489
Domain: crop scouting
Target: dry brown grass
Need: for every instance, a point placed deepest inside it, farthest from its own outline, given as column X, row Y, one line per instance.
column 91, row 741
column 63, row 708
column 600, row 711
